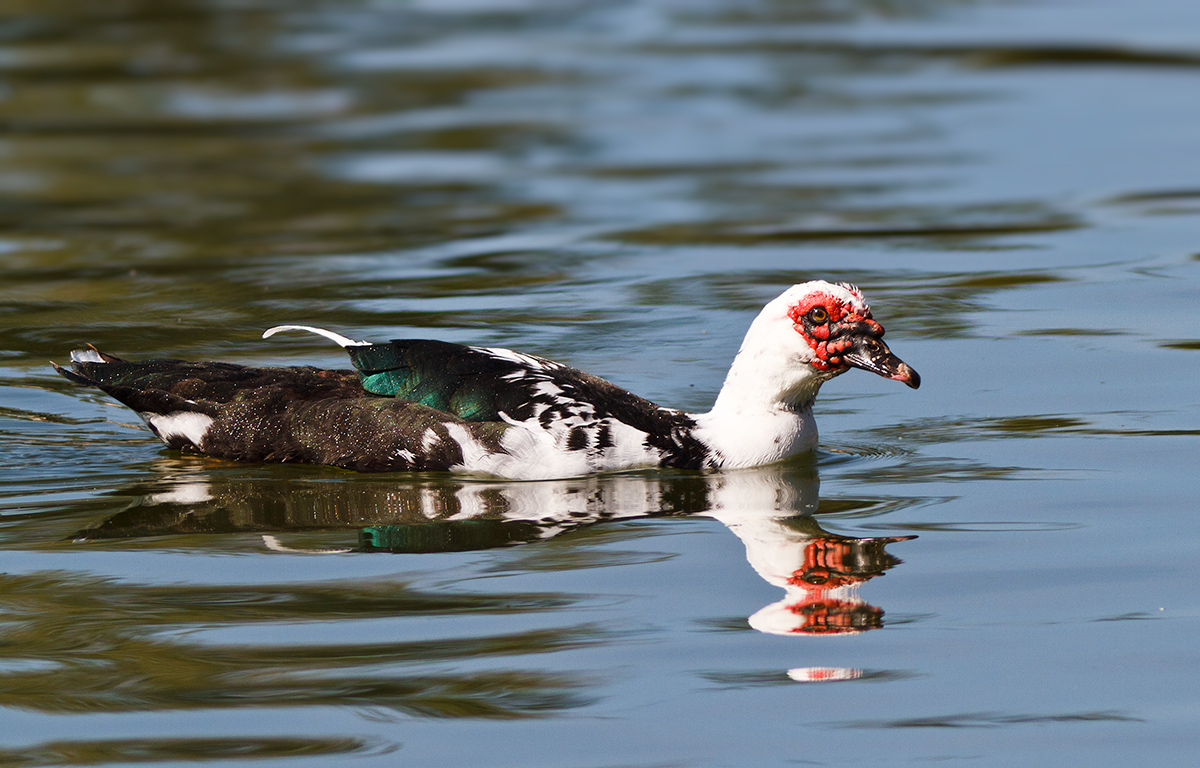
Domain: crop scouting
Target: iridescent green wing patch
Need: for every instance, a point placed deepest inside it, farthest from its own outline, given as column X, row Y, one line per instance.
column 448, row 377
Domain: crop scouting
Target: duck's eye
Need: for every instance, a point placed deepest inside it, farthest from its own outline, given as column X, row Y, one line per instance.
column 818, row 315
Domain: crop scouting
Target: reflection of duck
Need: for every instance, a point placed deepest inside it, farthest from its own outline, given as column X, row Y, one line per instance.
column 822, row 593
column 430, row 405
column 819, row 570
column 770, row 509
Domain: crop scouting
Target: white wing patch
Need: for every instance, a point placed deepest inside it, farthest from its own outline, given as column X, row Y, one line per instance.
column 189, row 425
column 531, row 451
column 86, row 356
column 529, row 361
column 475, row 457
column 550, row 389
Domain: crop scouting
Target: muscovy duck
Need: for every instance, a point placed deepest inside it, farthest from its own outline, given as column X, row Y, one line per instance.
column 422, row 405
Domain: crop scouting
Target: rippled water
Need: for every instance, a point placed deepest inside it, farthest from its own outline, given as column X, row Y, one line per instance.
column 620, row 186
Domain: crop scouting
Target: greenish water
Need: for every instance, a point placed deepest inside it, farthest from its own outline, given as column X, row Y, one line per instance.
column 619, row 186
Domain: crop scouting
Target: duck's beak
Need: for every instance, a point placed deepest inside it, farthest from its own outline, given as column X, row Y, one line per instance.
column 871, row 354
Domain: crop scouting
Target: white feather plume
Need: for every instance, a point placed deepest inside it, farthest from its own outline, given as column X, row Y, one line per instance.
column 337, row 338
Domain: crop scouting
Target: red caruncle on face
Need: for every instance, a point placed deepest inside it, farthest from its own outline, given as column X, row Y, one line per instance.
column 826, row 332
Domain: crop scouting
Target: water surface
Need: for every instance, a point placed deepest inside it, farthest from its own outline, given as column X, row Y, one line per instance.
column 997, row 569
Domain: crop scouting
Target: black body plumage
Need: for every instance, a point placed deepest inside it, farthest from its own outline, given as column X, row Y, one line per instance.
column 411, row 405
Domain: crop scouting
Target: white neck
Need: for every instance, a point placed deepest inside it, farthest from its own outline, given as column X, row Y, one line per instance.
column 763, row 413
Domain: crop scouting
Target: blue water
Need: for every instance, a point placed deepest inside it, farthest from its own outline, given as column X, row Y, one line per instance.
column 620, row 186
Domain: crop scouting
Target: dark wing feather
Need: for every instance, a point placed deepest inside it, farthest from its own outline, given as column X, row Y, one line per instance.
column 301, row 414
column 465, row 381
column 392, row 413
column 477, row 384
column 164, row 386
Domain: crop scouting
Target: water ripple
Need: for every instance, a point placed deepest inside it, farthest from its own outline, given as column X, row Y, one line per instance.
column 167, row 749
column 989, row 720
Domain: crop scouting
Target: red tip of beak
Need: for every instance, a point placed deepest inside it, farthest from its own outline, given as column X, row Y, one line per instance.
column 907, row 375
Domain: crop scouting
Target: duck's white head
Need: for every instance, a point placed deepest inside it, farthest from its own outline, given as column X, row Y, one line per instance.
column 811, row 333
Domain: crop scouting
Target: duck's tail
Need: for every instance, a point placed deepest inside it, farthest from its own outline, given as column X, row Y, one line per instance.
column 83, row 362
